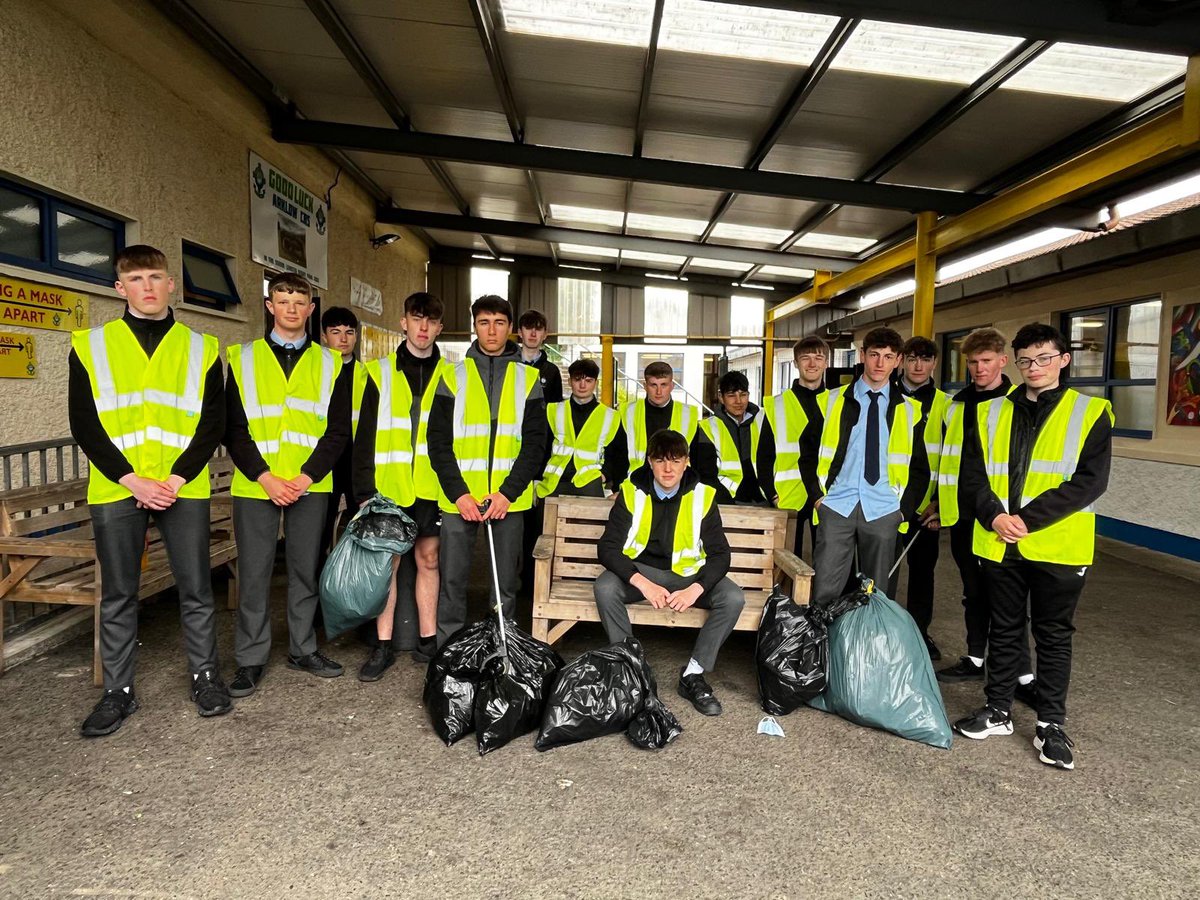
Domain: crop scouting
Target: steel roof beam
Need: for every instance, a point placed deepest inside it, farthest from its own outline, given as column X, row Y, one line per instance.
column 639, row 125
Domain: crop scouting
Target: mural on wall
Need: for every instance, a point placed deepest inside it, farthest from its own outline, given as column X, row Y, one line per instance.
column 1183, row 393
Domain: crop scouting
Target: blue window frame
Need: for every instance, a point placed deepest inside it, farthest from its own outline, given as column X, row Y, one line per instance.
column 207, row 280
column 48, row 234
column 954, row 364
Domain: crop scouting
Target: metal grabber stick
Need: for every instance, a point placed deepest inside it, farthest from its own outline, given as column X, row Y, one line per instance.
column 900, row 559
column 503, row 651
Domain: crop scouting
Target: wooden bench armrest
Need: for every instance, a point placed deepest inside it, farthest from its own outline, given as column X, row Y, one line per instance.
column 544, row 548
column 792, row 565
column 35, row 546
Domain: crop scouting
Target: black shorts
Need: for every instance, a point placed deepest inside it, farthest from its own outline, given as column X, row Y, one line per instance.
column 427, row 515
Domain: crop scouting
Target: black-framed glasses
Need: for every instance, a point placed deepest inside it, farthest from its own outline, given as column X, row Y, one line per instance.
column 1026, row 362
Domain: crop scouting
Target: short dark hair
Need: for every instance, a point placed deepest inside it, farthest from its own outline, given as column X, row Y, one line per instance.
column 139, row 256
column 659, row 369
column 883, row 337
column 919, row 346
column 811, row 344
column 583, row 368
column 532, row 318
column 289, row 283
column 733, row 381
column 424, row 304
column 1038, row 333
column 982, row 340
column 338, row 317
column 491, row 303
column 667, row 444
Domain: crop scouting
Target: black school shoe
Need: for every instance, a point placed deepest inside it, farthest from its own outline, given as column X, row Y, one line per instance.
column 110, row 713
column 696, row 691
column 380, row 660
column 963, row 670
column 316, row 663
column 1027, row 694
column 984, row 722
column 210, row 694
column 1054, row 747
column 426, row 650
column 245, row 681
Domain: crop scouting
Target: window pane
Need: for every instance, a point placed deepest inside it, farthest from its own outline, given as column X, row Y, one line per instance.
column 674, row 360
column 85, row 244
column 20, row 225
column 488, row 281
column 1133, row 405
column 666, row 312
column 1136, row 351
column 206, row 274
column 578, row 309
column 746, row 316
column 1087, row 343
column 956, row 363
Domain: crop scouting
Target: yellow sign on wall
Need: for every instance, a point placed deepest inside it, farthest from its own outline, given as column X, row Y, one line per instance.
column 41, row 306
column 18, row 356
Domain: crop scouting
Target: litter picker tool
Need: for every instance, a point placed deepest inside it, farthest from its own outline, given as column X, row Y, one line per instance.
column 907, row 547
column 502, row 651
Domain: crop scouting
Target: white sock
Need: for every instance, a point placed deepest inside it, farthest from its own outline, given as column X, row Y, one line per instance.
column 1027, row 678
column 1042, row 724
column 126, row 689
column 978, row 660
column 693, row 668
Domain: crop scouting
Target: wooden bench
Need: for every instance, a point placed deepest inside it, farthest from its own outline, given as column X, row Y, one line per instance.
column 48, row 552
column 565, row 566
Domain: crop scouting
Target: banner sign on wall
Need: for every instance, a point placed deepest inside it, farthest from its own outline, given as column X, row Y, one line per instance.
column 288, row 224
column 366, row 297
column 33, row 305
column 18, row 357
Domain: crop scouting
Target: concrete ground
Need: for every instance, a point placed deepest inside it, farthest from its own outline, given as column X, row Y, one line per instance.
column 315, row 788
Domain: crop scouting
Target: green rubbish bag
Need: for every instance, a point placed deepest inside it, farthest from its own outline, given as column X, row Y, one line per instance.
column 354, row 582
column 880, row 675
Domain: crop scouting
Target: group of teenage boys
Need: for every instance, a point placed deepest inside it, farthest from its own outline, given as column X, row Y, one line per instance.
column 873, row 468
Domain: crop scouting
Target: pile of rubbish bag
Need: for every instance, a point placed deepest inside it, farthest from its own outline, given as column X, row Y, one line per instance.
column 879, row 673
column 354, row 582
column 489, row 678
column 603, row 692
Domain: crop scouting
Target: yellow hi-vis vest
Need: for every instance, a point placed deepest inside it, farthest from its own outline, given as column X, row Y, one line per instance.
column 587, row 447
column 473, row 430
column 149, row 406
column 687, row 553
column 729, row 461
column 359, row 388
column 788, row 421
column 950, row 461
column 932, row 438
column 402, row 468
column 287, row 416
column 900, row 441
column 684, row 418
column 1071, row 541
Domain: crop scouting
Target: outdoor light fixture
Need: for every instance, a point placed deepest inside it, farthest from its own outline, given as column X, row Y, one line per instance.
column 384, row 239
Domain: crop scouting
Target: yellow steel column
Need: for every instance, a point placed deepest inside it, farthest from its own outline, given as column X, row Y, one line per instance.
column 1190, row 128
column 608, row 371
column 768, row 383
column 926, row 268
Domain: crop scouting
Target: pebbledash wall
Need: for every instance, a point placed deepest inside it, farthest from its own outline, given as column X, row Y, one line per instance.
column 109, row 105
column 1152, row 498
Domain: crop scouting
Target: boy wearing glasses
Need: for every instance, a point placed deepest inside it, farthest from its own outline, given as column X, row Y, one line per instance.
column 863, row 470
column 735, row 430
column 1040, row 462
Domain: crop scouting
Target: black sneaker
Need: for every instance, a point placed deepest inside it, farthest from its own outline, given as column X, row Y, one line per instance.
column 934, row 653
column 1054, row 747
column 112, row 710
column 425, row 650
column 984, row 722
column 210, row 694
column 1027, row 694
column 377, row 663
column 245, row 681
column 695, row 690
column 963, row 670
column 316, row 663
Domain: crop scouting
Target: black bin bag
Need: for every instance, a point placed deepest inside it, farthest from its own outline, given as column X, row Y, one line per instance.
column 603, row 692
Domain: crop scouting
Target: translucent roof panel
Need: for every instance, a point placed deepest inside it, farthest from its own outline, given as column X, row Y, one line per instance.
column 717, row 265
column 586, row 215
column 672, row 224
column 664, row 259
column 786, row 272
column 582, row 250
column 733, row 232
column 915, row 51
column 1100, row 73
column 610, row 21
column 815, row 240
column 746, row 32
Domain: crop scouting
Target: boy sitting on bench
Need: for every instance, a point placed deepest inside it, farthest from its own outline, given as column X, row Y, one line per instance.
column 664, row 544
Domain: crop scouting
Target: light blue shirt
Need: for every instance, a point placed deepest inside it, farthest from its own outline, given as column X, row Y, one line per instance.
column 665, row 495
column 850, row 488
column 282, row 342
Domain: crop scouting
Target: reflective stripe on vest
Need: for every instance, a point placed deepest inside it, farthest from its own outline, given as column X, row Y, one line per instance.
column 286, row 415
column 687, row 552
column 586, row 448
column 788, row 421
column 729, row 461
column 472, row 426
column 1053, row 460
column 950, row 461
column 684, row 418
column 402, row 472
column 932, row 439
column 148, row 406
